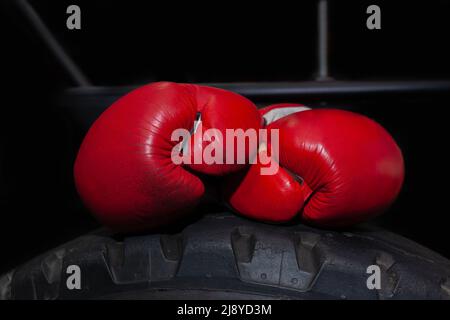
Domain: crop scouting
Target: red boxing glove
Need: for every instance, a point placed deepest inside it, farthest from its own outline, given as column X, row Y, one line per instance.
column 337, row 168
column 125, row 172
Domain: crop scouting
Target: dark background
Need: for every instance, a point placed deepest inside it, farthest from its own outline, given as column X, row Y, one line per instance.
column 133, row 42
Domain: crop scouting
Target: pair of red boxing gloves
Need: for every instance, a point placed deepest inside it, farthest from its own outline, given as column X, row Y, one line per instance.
column 334, row 168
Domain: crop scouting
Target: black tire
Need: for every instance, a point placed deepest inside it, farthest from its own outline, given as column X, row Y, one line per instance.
column 222, row 256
